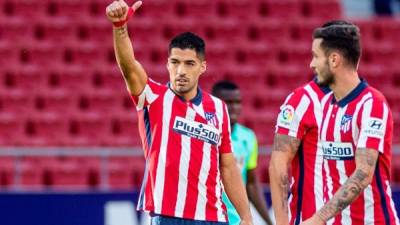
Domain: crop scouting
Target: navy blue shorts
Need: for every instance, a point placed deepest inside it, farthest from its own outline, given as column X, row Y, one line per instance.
column 165, row 220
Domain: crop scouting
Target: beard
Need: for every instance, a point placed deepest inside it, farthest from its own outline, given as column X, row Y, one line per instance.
column 325, row 77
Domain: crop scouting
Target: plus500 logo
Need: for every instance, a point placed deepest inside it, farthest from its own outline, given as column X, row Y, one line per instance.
column 337, row 150
column 196, row 130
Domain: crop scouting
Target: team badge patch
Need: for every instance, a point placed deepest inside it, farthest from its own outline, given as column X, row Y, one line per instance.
column 286, row 116
column 345, row 123
column 211, row 118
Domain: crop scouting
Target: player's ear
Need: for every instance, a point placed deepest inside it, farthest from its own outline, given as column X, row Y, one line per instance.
column 335, row 59
column 203, row 66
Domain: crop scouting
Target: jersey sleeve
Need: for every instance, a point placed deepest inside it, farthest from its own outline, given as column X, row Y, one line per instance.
column 226, row 142
column 150, row 93
column 290, row 120
column 375, row 123
column 252, row 161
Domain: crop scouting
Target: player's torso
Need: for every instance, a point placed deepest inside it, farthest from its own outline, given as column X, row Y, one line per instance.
column 183, row 156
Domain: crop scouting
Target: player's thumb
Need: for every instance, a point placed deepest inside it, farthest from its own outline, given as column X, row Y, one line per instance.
column 136, row 5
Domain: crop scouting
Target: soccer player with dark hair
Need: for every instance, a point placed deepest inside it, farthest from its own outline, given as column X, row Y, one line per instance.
column 356, row 134
column 296, row 147
column 185, row 134
column 245, row 149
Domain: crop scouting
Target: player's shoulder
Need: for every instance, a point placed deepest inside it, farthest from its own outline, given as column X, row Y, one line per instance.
column 375, row 94
column 209, row 98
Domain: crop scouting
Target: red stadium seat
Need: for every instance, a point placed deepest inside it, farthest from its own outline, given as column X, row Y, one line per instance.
column 262, row 168
column 9, row 55
column 68, row 173
column 57, row 29
column 266, row 31
column 46, row 129
column 40, row 53
column 31, row 173
column 88, row 129
column 7, row 167
column 301, row 29
column 327, row 9
column 279, row 9
column 16, row 101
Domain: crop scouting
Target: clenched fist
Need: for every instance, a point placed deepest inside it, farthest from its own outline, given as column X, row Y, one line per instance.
column 119, row 11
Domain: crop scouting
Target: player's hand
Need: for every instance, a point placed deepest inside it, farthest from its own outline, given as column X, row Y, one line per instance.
column 314, row 220
column 118, row 10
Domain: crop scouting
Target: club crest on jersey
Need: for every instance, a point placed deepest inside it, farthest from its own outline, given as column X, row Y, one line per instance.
column 345, row 123
column 211, row 118
column 196, row 130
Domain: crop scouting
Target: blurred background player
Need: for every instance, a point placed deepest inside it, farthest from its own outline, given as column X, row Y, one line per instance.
column 296, row 147
column 185, row 133
column 356, row 133
column 245, row 149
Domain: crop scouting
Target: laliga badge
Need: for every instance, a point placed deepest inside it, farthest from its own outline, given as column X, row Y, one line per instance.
column 285, row 117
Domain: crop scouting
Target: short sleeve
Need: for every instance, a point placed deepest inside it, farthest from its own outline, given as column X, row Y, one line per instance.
column 150, row 93
column 226, row 142
column 290, row 118
column 375, row 118
column 252, row 161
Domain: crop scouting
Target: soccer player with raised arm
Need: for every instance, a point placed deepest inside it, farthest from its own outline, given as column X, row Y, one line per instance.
column 185, row 133
column 356, row 134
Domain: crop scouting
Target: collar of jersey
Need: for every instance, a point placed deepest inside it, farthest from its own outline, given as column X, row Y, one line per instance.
column 352, row 95
column 324, row 89
column 196, row 100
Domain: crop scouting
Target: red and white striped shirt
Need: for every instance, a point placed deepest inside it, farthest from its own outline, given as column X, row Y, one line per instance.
column 182, row 142
column 300, row 117
column 360, row 120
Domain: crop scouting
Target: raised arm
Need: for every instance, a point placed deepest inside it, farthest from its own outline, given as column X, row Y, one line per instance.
column 135, row 77
column 283, row 151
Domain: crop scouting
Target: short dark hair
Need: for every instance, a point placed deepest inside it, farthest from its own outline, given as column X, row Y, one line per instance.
column 189, row 40
column 223, row 85
column 342, row 36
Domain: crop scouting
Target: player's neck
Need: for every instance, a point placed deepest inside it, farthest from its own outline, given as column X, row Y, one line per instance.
column 344, row 84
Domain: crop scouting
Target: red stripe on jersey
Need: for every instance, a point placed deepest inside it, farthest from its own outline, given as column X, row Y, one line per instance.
column 211, row 212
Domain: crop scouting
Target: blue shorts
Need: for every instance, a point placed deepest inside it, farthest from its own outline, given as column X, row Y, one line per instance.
column 166, row 220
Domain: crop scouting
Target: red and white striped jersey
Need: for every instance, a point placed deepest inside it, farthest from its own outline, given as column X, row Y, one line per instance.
column 362, row 119
column 182, row 143
column 300, row 117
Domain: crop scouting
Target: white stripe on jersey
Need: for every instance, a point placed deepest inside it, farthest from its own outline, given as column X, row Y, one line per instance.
column 329, row 182
column 146, row 95
column 200, row 213
column 184, row 168
column 389, row 193
column 340, row 163
column 219, row 111
column 384, row 118
column 355, row 130
column 318, row 180
column 299, row 113
column 366, row 113
column 368, row 206
column 160, row 175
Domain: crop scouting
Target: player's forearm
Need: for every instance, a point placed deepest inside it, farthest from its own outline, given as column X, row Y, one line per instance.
column 236, row 192
column 123, row 50
column 279, row 184
column 256, row 196
column 346, row 194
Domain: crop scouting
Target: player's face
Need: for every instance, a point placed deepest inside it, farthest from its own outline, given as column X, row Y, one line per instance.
column 185, row 68
column 233, row 100
column 320, row 64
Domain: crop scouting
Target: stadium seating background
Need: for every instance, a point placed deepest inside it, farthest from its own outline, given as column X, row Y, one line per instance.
column 60, row 85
